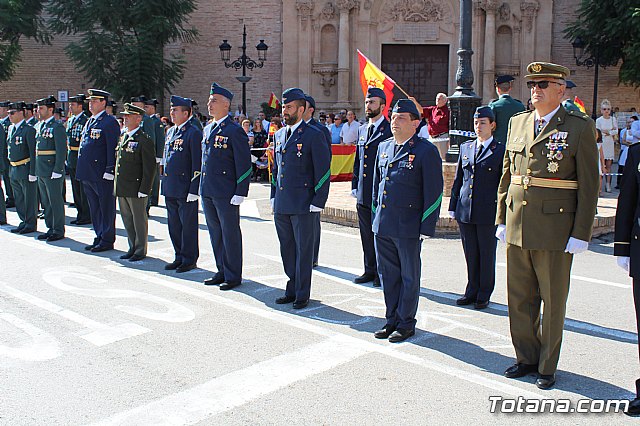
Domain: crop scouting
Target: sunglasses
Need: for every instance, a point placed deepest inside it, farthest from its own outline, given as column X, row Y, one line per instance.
column 541, row 84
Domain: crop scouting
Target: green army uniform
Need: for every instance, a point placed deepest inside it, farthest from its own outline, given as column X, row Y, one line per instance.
column 135, row 171
column 5, row 123
column 22, row 157
column 504, row 108
column 51, row 154
column 3, row 145
column 569, row 105
column 32, row 121
column 548, row 193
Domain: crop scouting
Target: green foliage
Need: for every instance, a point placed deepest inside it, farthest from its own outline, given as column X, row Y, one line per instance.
column 18, row 18
column 611, row 29
column 121, row 44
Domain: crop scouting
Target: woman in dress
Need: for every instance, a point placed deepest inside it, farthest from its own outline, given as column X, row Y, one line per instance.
column 609, row 127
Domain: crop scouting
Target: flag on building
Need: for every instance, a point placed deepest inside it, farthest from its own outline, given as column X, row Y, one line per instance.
column 372, row 76
column 579, row 104
column 273, row 101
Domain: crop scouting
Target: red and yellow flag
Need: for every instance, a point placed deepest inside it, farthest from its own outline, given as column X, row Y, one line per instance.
column 579, row 104
column 372, row 76
column 273, row 101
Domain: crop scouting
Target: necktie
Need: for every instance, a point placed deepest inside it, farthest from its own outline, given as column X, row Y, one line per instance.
column 288, row 133
column 540, row 126
column 479, row 152
column 370, row 132
column 397, row 149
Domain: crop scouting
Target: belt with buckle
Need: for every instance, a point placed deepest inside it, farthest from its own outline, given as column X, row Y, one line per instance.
column 74, row 148
column 527, row 181
column 19, row 163
column 46, row 152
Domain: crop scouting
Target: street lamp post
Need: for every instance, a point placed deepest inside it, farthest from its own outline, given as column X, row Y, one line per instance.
column 244, row 62
column 592, row 61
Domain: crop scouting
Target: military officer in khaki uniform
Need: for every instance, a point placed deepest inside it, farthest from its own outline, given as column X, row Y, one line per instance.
column 546, row 203
column 135, row 170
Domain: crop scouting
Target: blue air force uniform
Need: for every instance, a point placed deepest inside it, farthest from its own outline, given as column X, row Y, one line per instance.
column 96, row 157
column 407, row 192
column 182, row 177
column 226, row 169
column 75, row 126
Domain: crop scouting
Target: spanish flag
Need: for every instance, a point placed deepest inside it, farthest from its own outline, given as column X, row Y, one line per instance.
column 372, row 76
column 273, row 101
column 579, row 104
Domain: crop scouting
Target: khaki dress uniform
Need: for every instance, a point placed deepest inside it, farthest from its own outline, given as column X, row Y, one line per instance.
column 548, row 193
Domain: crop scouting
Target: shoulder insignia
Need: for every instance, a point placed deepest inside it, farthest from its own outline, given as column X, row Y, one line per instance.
column 578, row 114
column 522, row 113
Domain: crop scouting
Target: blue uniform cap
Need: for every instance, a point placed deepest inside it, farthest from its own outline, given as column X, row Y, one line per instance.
column 21, row 106
column 79, row 98
column 180, row 101
column 504, row 79
column 484, row 112
column 98, row 94
column 219, row 90
column 48, row 101
column 311, row 101
column 374, row 92
column 406, row 105
column 570, row 84
column 141, row 98
column 292, row 94
column 5, row 104
column 153, row 102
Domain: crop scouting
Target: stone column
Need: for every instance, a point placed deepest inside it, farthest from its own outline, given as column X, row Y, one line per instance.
column 344, row 49
column 529, row 11
column 305, row 9
column 488, row 74
column 476, row 39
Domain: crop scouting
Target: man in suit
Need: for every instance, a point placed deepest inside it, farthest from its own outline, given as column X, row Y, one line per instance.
column 96, row 168
column 21, row 144
column 75, row 125
column 135, row 170
column 5, row 122
column 51, row 154
column 226, row 172
column 473, row 205
column 407, row 192
column 180, row 185
column 369, row 137
column 569, row 103
column 299, row 188
column 308, row 118
column 504, row 107
column 546, row 203
column 627, row 246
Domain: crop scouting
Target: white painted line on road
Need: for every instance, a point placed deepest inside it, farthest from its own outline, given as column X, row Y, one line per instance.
column 100, row 335
column 586, row 279
column 242, row 386
column 42, row 346
column 342, row 234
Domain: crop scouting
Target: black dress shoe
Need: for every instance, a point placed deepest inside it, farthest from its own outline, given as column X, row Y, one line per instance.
column 55, row 237
column 83, row 222
column 520, row 370
column 185, row 268
column 384, row 332
column 44, row 236
column 300, row 304
column 481, row 304
column 173, row 265
column 285, row 299
column 364, row 278
column 136, row 258
column 3, row 222
column 215, row 280
column 464, row 300
column 376, row 281
column 315, row 264
column 72, row 204
column 10, row 204
column 229, row 285
column 546, row 381
column 634, row 408
column 126, row 256
column 74, row 222
column 16, row 230
column 24, row 231
column 100, row 248
column 400, row 334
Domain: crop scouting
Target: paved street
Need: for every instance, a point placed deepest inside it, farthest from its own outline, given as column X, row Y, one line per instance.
column 91, row 339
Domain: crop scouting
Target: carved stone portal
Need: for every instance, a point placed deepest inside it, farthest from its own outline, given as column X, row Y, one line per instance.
column 417, row 11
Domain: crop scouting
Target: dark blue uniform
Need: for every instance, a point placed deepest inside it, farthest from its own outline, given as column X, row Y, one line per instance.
column 362, row 182
column 75, row 126
column 300, row 178
column 316, row 215
column 407, row 192
column 181, row 178
column 96, row 157
column 474, row 198
column 226, row 169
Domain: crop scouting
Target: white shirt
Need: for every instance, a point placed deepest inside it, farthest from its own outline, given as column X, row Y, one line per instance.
column 265, row 125
column 293, row 128
column 376, row 124
column 130, row 133
column 635, row 129
column 485, row 144
column 547, row 118
column 95, row 117
column 349, row 132
column 15, row 126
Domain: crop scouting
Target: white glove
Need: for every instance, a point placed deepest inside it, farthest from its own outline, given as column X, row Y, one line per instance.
column 141, row 195
column 452, row 214
column 273, row 201
column 32, row 178
column 623, row 262
column 158, row 160
column 191, row 198
column 236, row 200
column 354, row 193
column 575, row 246
column 501, row 233
column 314, row 209
column 108, row 176
column 55, row 175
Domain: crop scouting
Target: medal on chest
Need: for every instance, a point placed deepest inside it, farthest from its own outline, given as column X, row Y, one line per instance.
column 299, row 153
column 556, row 146
column 18, row 140
column 131, row 146
column 177, row 145
column 411, row 158
column 220, row 142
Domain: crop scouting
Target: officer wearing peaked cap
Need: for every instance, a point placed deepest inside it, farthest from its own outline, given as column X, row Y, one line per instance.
column 29, row 115
column 407, row 192
column 96, row 168
column 194, row 118
column 75, row 125
column 51, row 154
column 504, row 107
column 226, row 169
column 150, row 108
column 5, row 123
column 299, row 188
column 153, row 128
column 546, row 203
column 180, row 185
column 370, row 135
column 569, row 103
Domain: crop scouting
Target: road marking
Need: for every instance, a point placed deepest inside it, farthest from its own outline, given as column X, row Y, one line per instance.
column 42, row 346
column 586, row 279
column 342, row 234
column 100, row 335
column 240, row 387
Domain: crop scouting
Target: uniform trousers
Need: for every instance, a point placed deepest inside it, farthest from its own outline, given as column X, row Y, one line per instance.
column 316, row 236
column 535, row 276
column 223, row 222
column 366, row 237
column 133, row 211
column 636, row 302
column 182, row 218
column 479, row 245
column 399, row 268
column 26, row 199
column 79, row 198
column 3, row 206
column 155, row 189
column 102, row 205
column 296, row 249
column 53, row 203
column 7, row 184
